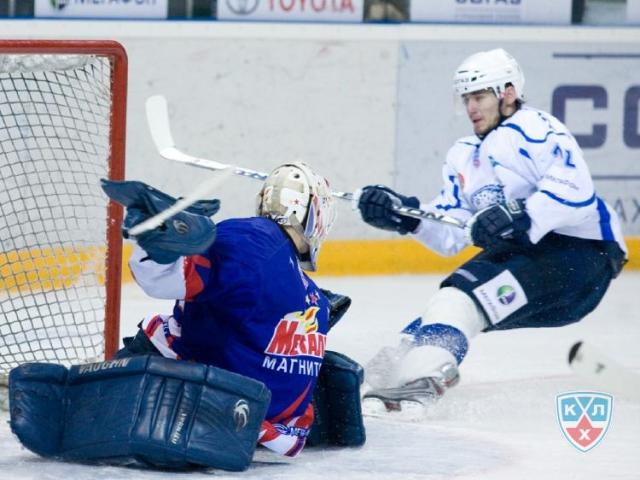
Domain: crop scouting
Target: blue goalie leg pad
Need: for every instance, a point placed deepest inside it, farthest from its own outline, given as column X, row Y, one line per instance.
column 145, row 409
column 336, row 402
column 36, row 400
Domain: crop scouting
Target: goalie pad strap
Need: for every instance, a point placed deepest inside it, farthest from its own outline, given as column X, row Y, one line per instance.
column 145, row 409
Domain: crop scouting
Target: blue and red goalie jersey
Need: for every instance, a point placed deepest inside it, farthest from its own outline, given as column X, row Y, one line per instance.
column 246, row 306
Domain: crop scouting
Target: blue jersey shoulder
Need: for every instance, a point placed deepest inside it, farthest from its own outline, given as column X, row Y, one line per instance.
column 255, row 238
column 245, row 252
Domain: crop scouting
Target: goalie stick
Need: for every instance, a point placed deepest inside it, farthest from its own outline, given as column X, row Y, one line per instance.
column 590, row 363
column 160, row 128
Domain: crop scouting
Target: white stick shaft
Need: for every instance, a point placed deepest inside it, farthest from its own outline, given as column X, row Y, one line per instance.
column 203, row 191
column 160, row 127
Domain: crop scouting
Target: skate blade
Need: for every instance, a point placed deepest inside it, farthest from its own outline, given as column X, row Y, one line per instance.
column 403, row 411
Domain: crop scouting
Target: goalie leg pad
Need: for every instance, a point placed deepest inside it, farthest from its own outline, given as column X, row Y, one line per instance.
column 145, row 409
column 36, row 399
column 336, row 402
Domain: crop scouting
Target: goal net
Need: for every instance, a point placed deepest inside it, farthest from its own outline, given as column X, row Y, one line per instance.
column 62, row 123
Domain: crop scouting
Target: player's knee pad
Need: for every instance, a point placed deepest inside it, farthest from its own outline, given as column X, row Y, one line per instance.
column 149, row 410
column 336, row 403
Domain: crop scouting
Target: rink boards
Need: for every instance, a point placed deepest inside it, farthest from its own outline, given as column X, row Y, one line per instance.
column 362, row 104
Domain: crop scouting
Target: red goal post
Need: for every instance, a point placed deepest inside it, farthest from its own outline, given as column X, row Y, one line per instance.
column 62, row 128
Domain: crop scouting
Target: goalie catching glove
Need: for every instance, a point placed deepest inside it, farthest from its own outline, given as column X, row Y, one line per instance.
column 189, row 232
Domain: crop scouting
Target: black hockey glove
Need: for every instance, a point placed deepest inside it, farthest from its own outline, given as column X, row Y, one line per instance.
column 502, row 225
column 376, row 207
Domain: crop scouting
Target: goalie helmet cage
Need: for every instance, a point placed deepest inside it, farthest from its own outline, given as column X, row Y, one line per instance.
column 62, row 128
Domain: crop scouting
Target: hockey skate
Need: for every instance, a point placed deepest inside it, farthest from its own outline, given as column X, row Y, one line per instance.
column 409, row 401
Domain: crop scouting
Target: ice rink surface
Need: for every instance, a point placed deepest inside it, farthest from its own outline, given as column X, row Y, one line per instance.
column 499, row 423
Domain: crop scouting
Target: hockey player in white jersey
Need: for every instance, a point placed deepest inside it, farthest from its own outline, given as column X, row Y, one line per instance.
column 550, row 245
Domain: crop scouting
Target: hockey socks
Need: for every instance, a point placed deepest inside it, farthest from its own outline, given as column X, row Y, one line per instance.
column 439, row 335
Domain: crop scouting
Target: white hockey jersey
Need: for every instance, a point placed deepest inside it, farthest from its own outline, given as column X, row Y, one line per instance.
column 530, row 155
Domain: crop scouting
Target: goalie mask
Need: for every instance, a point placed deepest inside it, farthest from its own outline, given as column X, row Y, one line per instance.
column 294, row 196
column 491, row 69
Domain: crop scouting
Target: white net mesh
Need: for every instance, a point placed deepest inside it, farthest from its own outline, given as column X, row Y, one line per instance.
column 42, row 63
column 54, row 148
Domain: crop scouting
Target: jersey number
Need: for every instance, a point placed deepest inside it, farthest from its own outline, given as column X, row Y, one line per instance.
column 566, row 154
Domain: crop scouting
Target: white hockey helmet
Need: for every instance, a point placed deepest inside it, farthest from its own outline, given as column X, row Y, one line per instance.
column 294, row 195
column 490, row 69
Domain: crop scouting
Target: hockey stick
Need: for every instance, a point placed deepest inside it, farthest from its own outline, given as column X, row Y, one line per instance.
column 160, row 128
column 203, row 191
column 590, row 363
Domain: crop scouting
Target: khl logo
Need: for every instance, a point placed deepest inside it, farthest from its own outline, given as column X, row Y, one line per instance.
column 584, row 417
column 59, row 4
column 243, row 7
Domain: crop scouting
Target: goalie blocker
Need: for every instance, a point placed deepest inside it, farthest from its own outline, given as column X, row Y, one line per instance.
column 146, row 410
